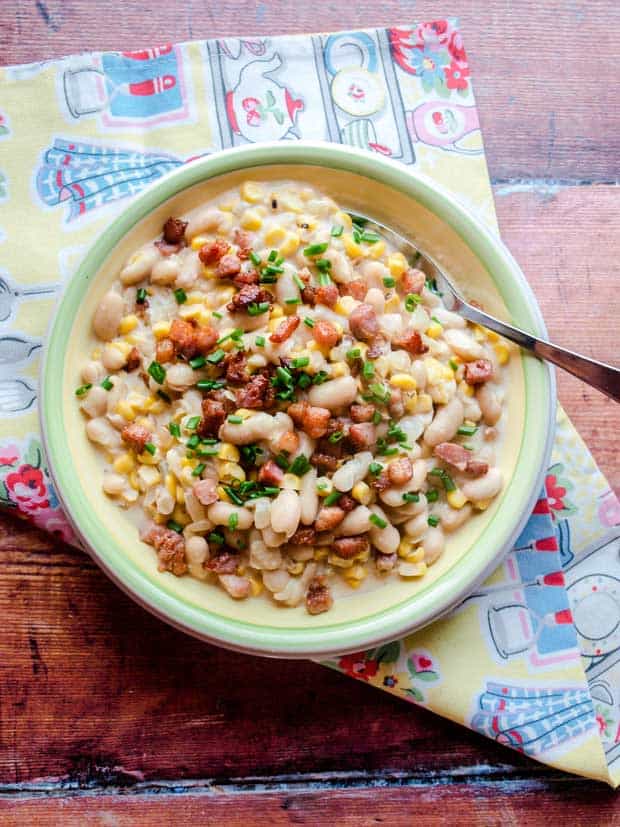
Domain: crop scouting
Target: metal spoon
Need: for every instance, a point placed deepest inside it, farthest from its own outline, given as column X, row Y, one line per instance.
column 9, row 295
column 605, row 378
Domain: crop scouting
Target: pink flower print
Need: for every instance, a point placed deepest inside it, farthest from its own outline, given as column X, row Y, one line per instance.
column 456, row 49
column 356, row 92
column 26, row 488
column 9, row 454
column 54, row 522
column 252, row 107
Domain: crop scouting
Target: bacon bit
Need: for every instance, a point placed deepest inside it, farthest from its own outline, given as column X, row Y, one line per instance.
column 413, row 281
column 297, row 410
column 412, row 342
column 249, row 294
column 324, row 462
column 285, row 329
column 327, row 294
column 356, row 288
column 362, row 413
column 349, row 547
column 164, row 352
column 220, row 395
column 310, row 418
column 133, row 360
column 228, row 267
column 347, row 503
column 328, row 518
column 362, row 435
column 243, row 240
column 174, row 230
column 205, row 491
column 182, row 337
column 396, row 405
column 213, row 416
column 400, row 471
column 270, row 473
column 247, row 277
column 325, row 334
column 308, row 295
column 212, row 252
column 225, row 562
column 289, row 442
column 385, row 562
column 259, row 393
column 379, row 347
column 303, row 537
column 477, row 468
column 236, row 367
column 475, row 373
column 204, row 339
column 167, row 249
column 381, row 482
column 318, row 597
column 460, row 458
column 136, row 436
column 363, row 323
column 170, row 548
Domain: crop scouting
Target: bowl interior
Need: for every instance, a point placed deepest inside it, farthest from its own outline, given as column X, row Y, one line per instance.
column 371, row 613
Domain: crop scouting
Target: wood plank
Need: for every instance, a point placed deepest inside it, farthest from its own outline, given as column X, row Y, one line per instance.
column 478, row 805
column 542, row 71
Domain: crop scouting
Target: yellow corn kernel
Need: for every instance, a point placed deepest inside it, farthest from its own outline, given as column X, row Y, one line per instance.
column 277, row 311
column 180, row 516
column 146, row 459
column 245, row 412
column 321, row 553
column 252, row 191
column 482, row 505
column 189, row 311
column 343, row 218
column 291, row 482
column 345, row 305
column 96, row 354
column 171, row 484
column 425, row 403
column 256, row 586
column 229, row 452
column 339, row 329
column 339, row 369
column 339, row 562
column 411, row 402
column 352, row 249
column 272, row 325
column 465, row 389
column 405, row 547
column 224, row 294
column 251, row 220
column 226, row 206
column 289, row 245
column 420, row 570
column 295, row 567
column 230, row 470
column 403, row 381
column 161, row 330
column 185, row 462
column 124, row 409
column 133, row 481
column 195, row 297
column 180, row 498
column 434, row 330
column 362, row 493
column 133, row 340
column 312, row 345
column 199, row 241
column 324, row 486
column 274, row 235
column 155, row 406
column 208, row 272
column 124, row 464
column 148, row 476
column 492, row 336
column 222, row 495
column 377, row 249
column 393, row 304
column 416, row 556
column 502, row 353
column 127, row 324
column 456, row 498
column 397, row 264
column 356, row 574
column 479, row 333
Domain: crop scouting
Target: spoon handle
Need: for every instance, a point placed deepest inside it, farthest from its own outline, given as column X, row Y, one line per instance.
column 604, row 377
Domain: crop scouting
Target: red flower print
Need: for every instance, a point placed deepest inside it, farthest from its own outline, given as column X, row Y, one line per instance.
column 456, row 49
column 424, row 663
column 249, row 104
column 555, row 492
column 26, row 487
column 433, row 34
column 456, row 76
column 9, row 454
column 602, row 724
column 358, row 667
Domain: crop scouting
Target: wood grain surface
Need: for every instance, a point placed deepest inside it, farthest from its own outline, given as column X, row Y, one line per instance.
column 108, row 716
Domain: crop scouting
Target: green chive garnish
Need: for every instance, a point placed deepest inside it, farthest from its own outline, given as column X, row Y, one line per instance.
column 292, row 301
column 233, row 521
column 193, row 441
column 467, row 430
column 368, row 370
column 412, row 301
column 300, row 465
column 174, row 429
column 255, row 259
column 198, row 469
column 301, row 362
column 304, row 381
column 260, row 341
column 150, row 448
column 332, row 498
column 323, row 264
column 389, row 281
column 378, row 521
column 140, row 295
column 282, row 462
column 210, row 385
column 272, row 270
column 180, row 295
column 324, row 279
column 272, row 255
column 377, row 418
column 158, row 372
column 217, row 315
column 370, row 238
column 375, row 468
column 335, row 437
column 83, row 389
column 433, row 520
column 216, row 357
column 453, row 365
column 432, row 496
column 298, row 282
column 316, row 249
column 410, row 497
column 354, row 353
column 174, row 526
column 257, row 309
column 107, row 384
column 216, row 537
column 319, row 378
column 192, row 423
column 283, row 375
column 268, row 279
column 235, row 420
column 198, row 362
column 337, row 230
column 309, row 322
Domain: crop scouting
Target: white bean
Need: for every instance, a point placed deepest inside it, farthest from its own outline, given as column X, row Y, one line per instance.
column 262, row 507
column 341, row 269
column 394, row 495
column 448, row 319
column 356, row 522
column 237, row 587
column 189, row 271
column 113, row 358
column 286, row 288
column 261, row 557
column 193, row 505
column 300, row 554
column 205, row 221
column 254, row 428
column 140, row 265
column 196, row 552
column 296, row 587
column 286, row 513
column 199, row 527
column 164, row 501
column 96, row 402
column 100, row 431
column 376, row 298
column 489, row 404
column 309, row 497
column 433, row 544
column 453, row 518
column 445, row 424
column 352, row 471
column 281, row 424
column 385, row 539
column 180, row 377
column 108, row 316
column 276, row 581
column 418, row 371
column 165, row 270
column 93, row 372
column 471, row 408
column 485, row 487
column 333, row 394
column 220, row 512
column 272, row 539
column 416, row 527
column 113, row 484
column 463, row 344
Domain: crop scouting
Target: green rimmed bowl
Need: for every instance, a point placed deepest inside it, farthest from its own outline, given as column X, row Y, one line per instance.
column 437, row 223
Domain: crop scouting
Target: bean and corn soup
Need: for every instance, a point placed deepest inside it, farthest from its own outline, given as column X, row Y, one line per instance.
column 284, row 400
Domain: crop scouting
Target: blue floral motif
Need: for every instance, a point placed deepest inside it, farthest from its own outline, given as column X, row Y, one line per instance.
column 428, row 67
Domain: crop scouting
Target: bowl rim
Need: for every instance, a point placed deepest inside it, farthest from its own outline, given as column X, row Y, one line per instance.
column 405, row 617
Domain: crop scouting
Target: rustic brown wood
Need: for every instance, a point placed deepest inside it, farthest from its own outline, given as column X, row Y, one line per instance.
column 544, row 72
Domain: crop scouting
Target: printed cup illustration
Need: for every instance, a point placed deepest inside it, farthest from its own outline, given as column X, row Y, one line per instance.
column 596, row 611
column 362, row 133
column 10, row 296
column 446, row 126
column 515, row 629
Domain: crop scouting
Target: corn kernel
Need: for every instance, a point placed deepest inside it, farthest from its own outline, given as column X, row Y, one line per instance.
column 180, row 498
column 256, row 586
column 228, row 452
column 434, row 330
column 180, row 516
column 96, row 354
column 416, row 556
column 456, row 498
column 479, row 333
column 411, row 402
column 405, row 548
column 312, row 346
column 127, row 324
column 273, row 325
column 224, row 294
column 397, row 264
column 352, row 582
column 195, row 297
column 291, row 482
column 339, row 329
column 492, row 336
column 403, row 381
column 171, row 484
column 324, row 486
column 289, row 245
column 146, row 459
column 226, row 206
column 161, row 330
column 231, row 471
column 155, row 406
column 465, row 389
column 434, row 370
column 199, row 241
column 252, row 191
column 277, row 312
column 339, row 369
column 502, row 353
column 160, row 519
column 251, row 220
column 419, row 570
column 208, row 272
column 321, row 553
column 134, row 340
column 352, row 249
column 377, row 249
column 124, row 409
column 274, row 235
column 343, row 218
column 356, row 574
column 393, row 304
column 339, row 562
column 361, row 492
column 346, row 305
column 148, row 476
column 124, row 464
column 482, row 505
column 222, row 495
column 425, row 403
column 133, row 481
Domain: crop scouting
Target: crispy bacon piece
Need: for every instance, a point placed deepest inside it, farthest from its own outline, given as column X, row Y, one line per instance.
column 164, row 352
column 477, row 467
column 228, row 266
column 363, row 322
column 308, row 295
column 249, row 294
column 136, row 436
column 347, row 503
column 285, row 329
column 289, row 441
column 349, row 547
column 236, row 365
column 411, row 341
column 362, row 435
column 213, row 251
column 362, row 413
column 224, row 562
column 167, row 249
column 205, row 491
column 247, row 277
column 310, row 418
column 170, row 548
column 204, row 340
column 378, row 347
column 328, row 518
column 475, row 373
column 413, row 281
column 133, row 360
column 318, row 596
column 213, row 415
column 182, row 337
column 324, row 462
column 460, row 458
column 356, row 288
column 174, row 230
column 303, row 537
column 270, row 473
column 326, row 294
column 259, row 393
column 400, row 471
column 325, row 334
column 243, row 240
column 396, row 406
column 380, row 482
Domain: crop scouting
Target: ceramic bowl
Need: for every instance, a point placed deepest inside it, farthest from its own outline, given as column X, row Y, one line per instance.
column 439, row 225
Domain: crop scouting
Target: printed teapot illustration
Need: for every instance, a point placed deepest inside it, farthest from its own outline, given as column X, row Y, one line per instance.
column 448, row 126
column 259, row 108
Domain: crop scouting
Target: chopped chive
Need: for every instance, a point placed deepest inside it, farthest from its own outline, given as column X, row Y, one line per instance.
column 354, row 353
column 389, row 451
column 279, row 261
column 209, row 441
column 175, row 429
column 389, row 281
column 404, row 446
column 292, row 301
column 379, row 391
column 174, row 526
column 216, row 357
column 268, row 279
column 446, row 479
column 107, row 384
column 216, row 537
column 335, row 437
column 332, row 498
column 358, row 219
column 321, row 486
column 412, row 300
column 432, row 496
column 217, row 315
column 140, row 295
column 323, row 264
column 284, row 375
column 376, row 418
column 368, row 370
column 468, row 447
column 158, row 372
column 235, row 420
column 272, row 270
column 233, row 521
column 193, row 441
column 337, row 230
column 435, row 319
column 233, row 494
column 192, row 423
column 357, row 236
column 410, row 497
column 163, row 395
column 209, row 385
column 207, row 452
column 301, row 362
column 198, row 469
column 282, row 462
column 309, row 322
column 467, row 430
column 304, row 381
column 234, row 334
column 319, row 378
column 260, row 341
column 375, row 468
column 300, row 465
column 198, row 362
column 255, row 309
column 272, row 255
column 298, row 282
column 315, row 249
column 180, row 295
column 378, row 521
column 370, row 238
column 150, row 448
column 324, row 279
column 255, row 259
column 453, row 365
column 433, row 520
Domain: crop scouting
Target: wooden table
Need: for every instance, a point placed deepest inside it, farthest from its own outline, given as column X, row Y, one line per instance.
column 110, row 717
